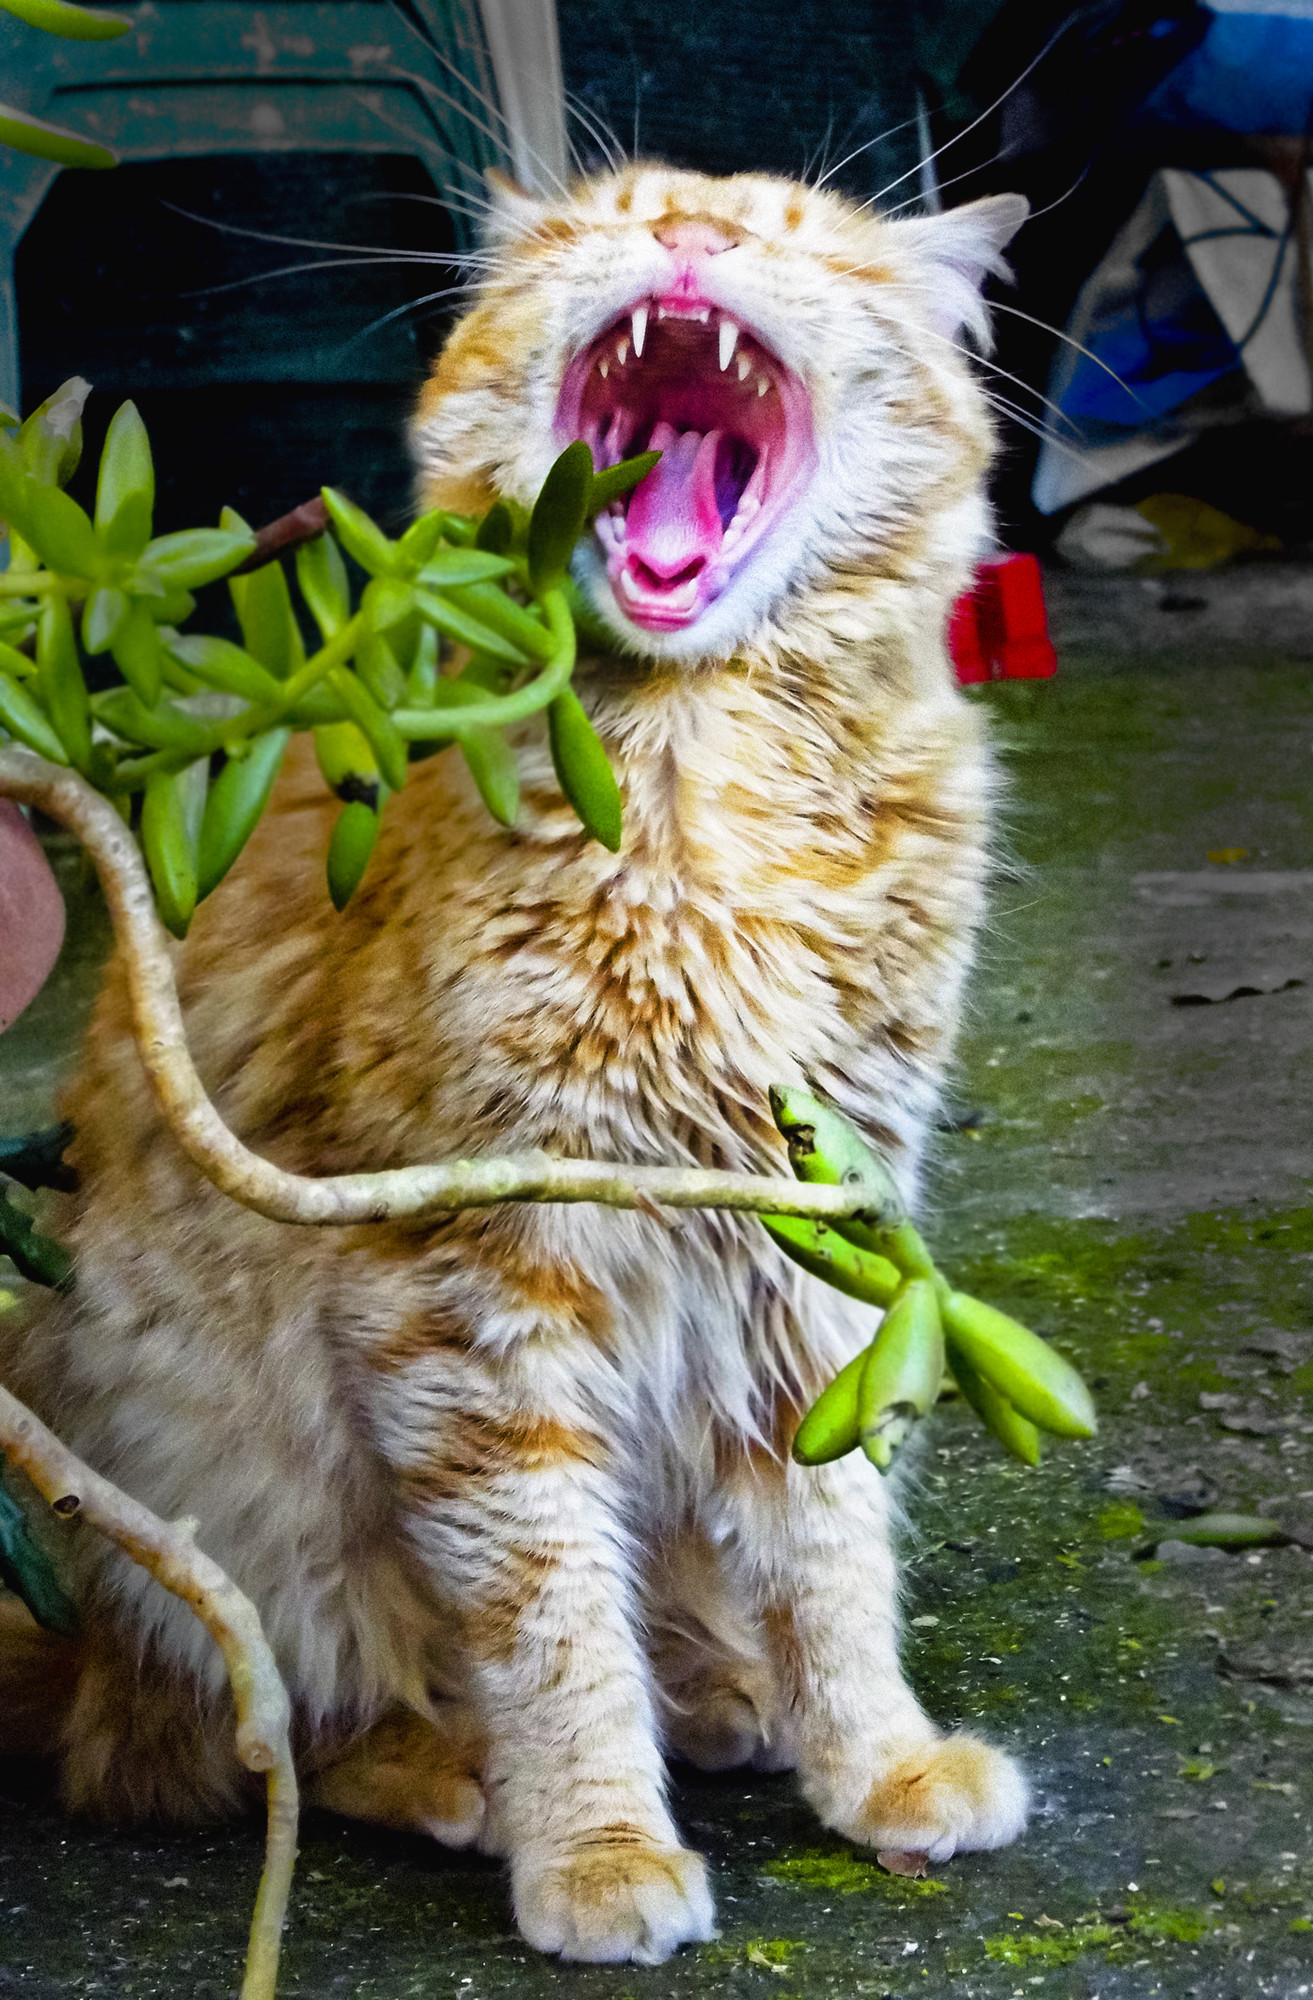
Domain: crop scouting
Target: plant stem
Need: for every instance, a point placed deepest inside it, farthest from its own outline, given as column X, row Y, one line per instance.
column 167, row 1549
column 149, row 957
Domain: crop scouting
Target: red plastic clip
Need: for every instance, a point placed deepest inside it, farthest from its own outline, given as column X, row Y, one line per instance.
column 998, row 630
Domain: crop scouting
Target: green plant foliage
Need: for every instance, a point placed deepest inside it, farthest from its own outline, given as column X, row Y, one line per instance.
column 383, row 677
column 1015, row 1382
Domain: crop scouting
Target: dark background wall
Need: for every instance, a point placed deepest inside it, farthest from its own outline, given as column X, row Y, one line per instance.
column 723, row 86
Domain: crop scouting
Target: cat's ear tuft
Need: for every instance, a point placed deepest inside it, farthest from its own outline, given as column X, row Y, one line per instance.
column 512, row 210
column 960, row 249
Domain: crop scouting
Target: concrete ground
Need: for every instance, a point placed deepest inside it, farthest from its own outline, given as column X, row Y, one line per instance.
column 1136, row 1186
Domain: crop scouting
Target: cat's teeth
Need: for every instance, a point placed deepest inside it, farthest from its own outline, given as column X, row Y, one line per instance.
column 622, row 352
column 763, row 384
column 729, row 340
column 705, row 314
column 604, row 368
column 638, row 321
column 745, row 366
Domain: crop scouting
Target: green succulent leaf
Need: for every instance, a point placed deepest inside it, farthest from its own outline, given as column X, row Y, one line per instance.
column 447, row 568
column 217, row 663
column 377, row 667
column 234, row 805
column 43, row 141
column 136, row 650
column 387, row 602
column 559, row 514
column 271, row 634
column 455, row 623
column 322, row 578
column 492, row 765
column 375, row 725
column 585, row 775
column 129, row 531
column 103, row 618
column 359, row 536
column 617, row 480
column 169, row 845
column 162, row 727
column 496, row 529
column 420, row 540
column 352, row 843
column 50, row 441
column 195, row 556
column 127, row 473
column 78, row 24
column 24, row 721
column 60, row 532
column 59, row 683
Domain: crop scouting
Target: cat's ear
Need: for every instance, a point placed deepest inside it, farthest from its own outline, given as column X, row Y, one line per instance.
column 512, row 210
column 959, row 250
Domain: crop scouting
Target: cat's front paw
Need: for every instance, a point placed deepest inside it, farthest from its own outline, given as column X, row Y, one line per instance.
column 943, row 1796
column 615, row 1895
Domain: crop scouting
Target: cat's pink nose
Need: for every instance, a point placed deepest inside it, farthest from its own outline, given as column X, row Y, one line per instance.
column 694, row 239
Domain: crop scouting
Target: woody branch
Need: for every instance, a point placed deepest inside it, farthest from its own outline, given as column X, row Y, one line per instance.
column 257, row 1183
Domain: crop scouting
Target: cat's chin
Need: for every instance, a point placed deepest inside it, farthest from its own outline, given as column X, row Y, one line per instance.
column 716, row 632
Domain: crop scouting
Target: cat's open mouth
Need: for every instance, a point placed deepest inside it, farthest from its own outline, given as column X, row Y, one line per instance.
column 733, row 426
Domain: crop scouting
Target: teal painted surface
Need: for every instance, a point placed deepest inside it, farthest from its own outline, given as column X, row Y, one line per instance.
column 201, row 77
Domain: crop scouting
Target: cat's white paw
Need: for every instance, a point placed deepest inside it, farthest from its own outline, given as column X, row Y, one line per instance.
column 615, row 1895
column 943, row 1796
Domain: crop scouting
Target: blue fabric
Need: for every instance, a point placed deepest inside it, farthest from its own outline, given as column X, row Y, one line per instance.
column 1251, row 73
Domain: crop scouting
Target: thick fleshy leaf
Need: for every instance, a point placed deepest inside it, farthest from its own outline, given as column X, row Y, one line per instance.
column 195, row 556
column 60, row 686
column 236, row 801
column 375, row 723
column 60, row 532
column 26, row 723
column 127, row 470
column 446, row 568
column 264, row 612
column 559, row 514
column 388, row 601
column 136, row 650
column 129, row 531
column 616, row 480
column 585, row 775
column 219, row 664
column 353, row 840
column 50, row 440
column 359, row 536
column 162, row 727
column 102, row 618
column 77, row 24
column 322, row 579
column 420, row 540
column 494, row 770
column 169, row 846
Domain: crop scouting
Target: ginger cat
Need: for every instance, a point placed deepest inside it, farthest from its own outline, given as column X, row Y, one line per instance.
column 512, row 1490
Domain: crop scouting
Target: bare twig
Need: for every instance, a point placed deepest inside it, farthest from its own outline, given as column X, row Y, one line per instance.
column 289, row 531
column 168, row 1550
column 344, row 1198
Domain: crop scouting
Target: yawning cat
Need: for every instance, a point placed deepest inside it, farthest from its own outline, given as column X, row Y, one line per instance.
column 512, row 1491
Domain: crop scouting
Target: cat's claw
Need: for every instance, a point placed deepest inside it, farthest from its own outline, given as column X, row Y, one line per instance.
column 614, row 1898
column 944, row 1796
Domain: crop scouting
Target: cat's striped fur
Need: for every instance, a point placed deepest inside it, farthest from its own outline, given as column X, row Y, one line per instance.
column 513, row 1491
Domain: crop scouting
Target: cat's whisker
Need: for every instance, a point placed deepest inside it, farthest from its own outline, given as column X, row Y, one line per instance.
column 429, row 298
column 612, row 151
column 921, row 332
column 316, row 264
column 996, row 305
column 988, row 112
column 364, row 251
column 1081, row 177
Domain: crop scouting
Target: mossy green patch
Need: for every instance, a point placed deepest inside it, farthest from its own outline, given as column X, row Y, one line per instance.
column 1120, row 1522
column 770, row 1953
column 1157, row 1920
column 846, row 1875
column 1049, row 1947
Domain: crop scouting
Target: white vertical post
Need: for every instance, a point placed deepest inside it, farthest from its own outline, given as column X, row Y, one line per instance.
column 525, row 48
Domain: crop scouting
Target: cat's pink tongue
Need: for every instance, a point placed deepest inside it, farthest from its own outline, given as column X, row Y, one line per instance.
column 673, row 518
